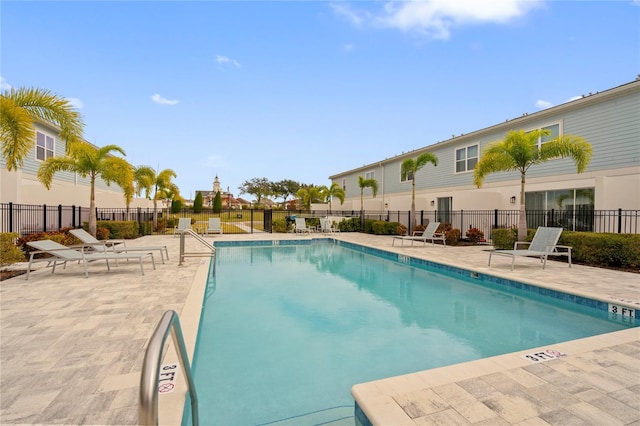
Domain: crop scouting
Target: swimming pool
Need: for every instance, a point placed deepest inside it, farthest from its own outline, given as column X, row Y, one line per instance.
column 286, row 330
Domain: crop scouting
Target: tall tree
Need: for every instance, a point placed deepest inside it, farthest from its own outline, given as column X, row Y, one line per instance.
column 217, row 203
column 284, row 189
column 520, row 150
column 408, row 170
column 197, row 203
column 334, row 190
column 88, row 161
column 155, row 186
column 258, row 187
column 20, row 108
column 310, row 194
column 367, row 183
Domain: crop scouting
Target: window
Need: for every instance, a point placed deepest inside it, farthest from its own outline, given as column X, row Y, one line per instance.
column 572, row 209
column 466, row 158
column 408, row 179
column 370, row 175
column 344, row 184
column 554, row 130
column 44, row 146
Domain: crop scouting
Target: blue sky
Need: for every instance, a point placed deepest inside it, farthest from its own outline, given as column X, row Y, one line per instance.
column 306, row 89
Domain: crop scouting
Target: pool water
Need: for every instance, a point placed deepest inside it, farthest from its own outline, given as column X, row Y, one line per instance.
column 286, row 331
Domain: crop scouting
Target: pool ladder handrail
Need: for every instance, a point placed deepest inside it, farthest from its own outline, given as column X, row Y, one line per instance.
column 206, row 243
column 148, row 398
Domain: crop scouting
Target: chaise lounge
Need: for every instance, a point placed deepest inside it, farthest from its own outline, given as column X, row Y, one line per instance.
column 63, row 254
column 117, row 246
column 429, row 234
column 543, row 245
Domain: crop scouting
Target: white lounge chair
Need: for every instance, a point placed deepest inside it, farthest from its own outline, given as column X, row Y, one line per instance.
column 117, row 246
column 301, row 226
column 63, row 254
column 214, row 226
column 544, row 244
column 184, row 223
column 429, row 234
column 326, row 226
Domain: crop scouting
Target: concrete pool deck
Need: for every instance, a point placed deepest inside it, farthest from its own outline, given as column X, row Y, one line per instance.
column 71, row 347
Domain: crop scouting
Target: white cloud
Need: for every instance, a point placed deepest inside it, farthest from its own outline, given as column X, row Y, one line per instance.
column 226, row 60
column 355, row 17
column 76, row 103
column 348, row 47
column 163, row 101
column 435, row 18
column 540, row 104
column 3, row 84
column 575, row 98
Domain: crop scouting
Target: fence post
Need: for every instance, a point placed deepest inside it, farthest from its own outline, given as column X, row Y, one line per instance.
column 44, row 218
column 495, row 218
column 59, row 216
column 461, row 222
column 252, row 220
column 10, row 217
column 619, row 221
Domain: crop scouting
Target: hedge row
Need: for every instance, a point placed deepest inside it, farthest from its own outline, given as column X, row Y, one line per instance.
column 591, row 248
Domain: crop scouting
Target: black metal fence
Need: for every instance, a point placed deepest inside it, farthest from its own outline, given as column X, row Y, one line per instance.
column 27, row 219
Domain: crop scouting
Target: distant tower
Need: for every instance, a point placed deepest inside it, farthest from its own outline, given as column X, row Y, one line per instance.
column 216, row 185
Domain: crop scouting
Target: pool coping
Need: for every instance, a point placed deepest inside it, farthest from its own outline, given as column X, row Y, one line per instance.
column 375, row 401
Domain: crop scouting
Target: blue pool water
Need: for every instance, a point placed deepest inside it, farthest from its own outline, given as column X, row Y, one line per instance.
column 286, row 330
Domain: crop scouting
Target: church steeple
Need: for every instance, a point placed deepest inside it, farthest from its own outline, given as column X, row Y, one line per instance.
column 216, row 185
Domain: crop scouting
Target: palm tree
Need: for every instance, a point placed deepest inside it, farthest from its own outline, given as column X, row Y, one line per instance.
column 334, row 190
column 88, row 161
column 518, row 151
column 408, row 170
column 310, row 194
column 155, row 186
column 20, row 108
column 366, row 183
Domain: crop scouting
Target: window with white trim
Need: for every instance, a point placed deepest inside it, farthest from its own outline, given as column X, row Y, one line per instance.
column 408, row 178
column 344, row 184
column 554, row 130
column 44, row 146
column 370, row 175
column 466, row 158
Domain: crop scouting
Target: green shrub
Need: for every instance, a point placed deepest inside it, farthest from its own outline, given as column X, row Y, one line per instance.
column 161, row 224
column 382, row 227
column 176, row 206
column 118, row 229
column 61, row 237
column 350, row 225
column 504, row 238
column 603, row 249
column 145, row 228
column 9, row 251
column 279, row 225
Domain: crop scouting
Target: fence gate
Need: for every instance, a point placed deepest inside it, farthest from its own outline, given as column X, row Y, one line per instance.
column 267, row 220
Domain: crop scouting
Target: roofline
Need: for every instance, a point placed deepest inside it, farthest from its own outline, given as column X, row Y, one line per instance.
column 509, row 124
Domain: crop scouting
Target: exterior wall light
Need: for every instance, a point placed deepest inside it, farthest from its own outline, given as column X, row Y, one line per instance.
column 513, row 199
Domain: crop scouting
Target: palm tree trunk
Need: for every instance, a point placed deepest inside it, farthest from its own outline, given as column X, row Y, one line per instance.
column 413, row 205
column 93, row 223
column 522, row 218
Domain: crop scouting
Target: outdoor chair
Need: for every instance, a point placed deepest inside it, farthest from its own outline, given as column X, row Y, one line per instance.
column 544, row 244
column 184, row 223
column 117, row 246
column 301, row 226
column 429, row 234
column 63, row 254
column 326, row 226
column 214, row 226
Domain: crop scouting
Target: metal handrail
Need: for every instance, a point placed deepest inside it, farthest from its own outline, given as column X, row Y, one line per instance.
column 148, row 398
column 200, row 239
